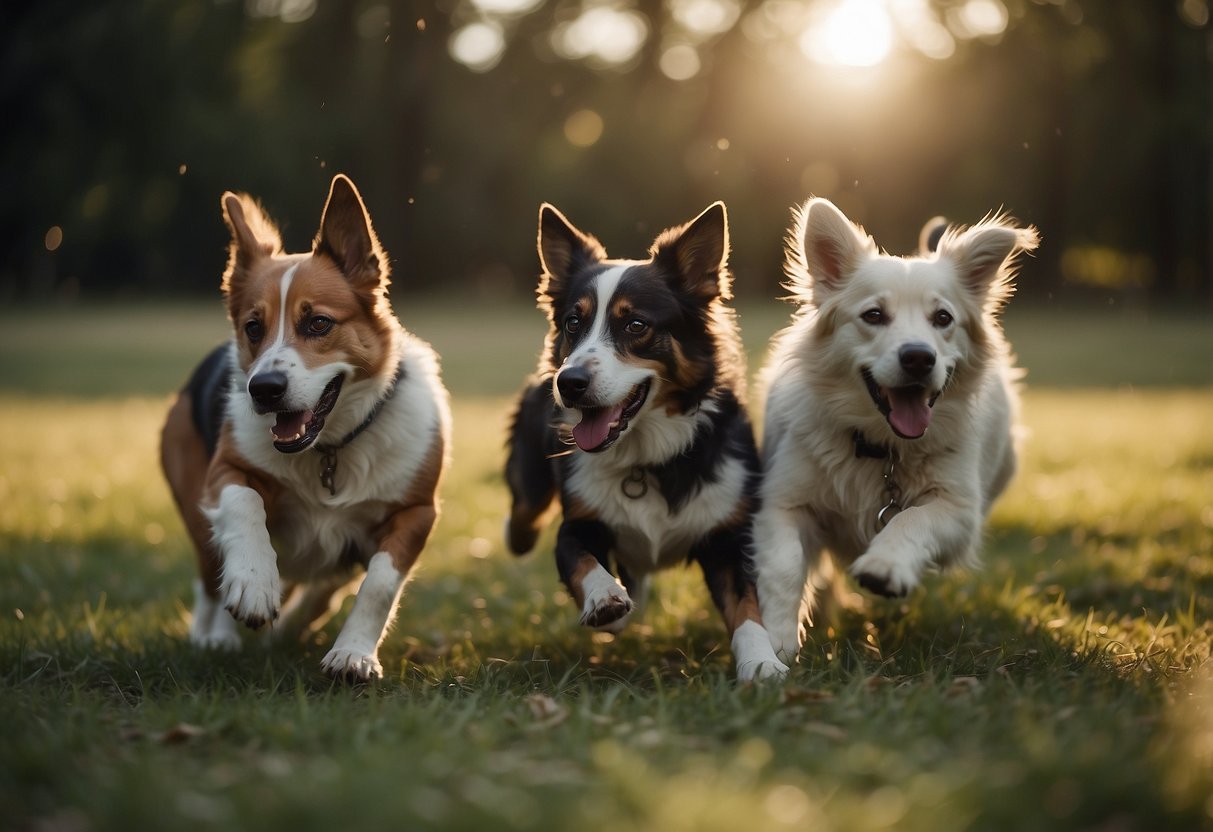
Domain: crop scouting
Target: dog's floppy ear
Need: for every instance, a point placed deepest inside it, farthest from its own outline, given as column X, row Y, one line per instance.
column 985, row 256
column 254, row 235
column 698, row 253
column 562, row 250
column 825, row 247
column 347, row 238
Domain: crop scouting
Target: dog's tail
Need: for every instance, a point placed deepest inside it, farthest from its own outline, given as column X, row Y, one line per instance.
column 530, row 468
column 931, row 234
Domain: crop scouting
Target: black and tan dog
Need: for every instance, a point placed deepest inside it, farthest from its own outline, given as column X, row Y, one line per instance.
column 636, row 417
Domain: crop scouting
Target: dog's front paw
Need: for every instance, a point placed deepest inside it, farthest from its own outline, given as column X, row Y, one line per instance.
column 884, row 576
column 754, row 655
column 252, row 595
column 760, row 671
column 784, row 642
column 606, row 604
column 219, row 634
column 352, row 665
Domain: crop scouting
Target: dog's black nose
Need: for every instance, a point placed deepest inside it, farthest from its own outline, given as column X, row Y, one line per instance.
column 572, row 382
column 267, row 389
column 917, row 360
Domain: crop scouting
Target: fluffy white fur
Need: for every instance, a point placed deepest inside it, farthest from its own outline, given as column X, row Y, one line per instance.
column 818, row 499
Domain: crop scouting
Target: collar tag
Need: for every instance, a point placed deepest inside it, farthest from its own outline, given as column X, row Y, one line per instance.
column 867, row 450
column 328, row 453
column 636, row 484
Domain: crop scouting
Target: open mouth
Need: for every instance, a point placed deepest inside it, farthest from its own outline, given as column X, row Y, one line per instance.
column 600, row 426
column 906, row 409
column 297, row 429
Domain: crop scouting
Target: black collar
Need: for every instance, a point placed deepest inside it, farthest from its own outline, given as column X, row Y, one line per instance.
column 328, row 473
column 867, row 450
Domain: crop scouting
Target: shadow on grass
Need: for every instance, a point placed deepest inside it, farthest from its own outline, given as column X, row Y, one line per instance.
column 115, row 613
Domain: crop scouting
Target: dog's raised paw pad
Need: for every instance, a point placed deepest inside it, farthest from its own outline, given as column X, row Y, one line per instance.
column 253, row 622
column 608, row 611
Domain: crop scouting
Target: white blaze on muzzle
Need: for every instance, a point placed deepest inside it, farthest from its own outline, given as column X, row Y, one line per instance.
column 616, row 390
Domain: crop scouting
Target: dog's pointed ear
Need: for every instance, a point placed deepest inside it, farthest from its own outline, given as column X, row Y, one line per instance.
column 347, row 238
column 563, row 249
column 698, row 253
column 826, row 247
column 254, row 235
column 985, row 256
column 930, row 235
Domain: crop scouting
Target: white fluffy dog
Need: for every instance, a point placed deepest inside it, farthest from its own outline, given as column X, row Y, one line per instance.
column 890, row 415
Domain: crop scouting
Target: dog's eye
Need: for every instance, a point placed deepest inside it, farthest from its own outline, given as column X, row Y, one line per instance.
column 571, row 324
column 636, row 327
column 942, row 319
column 873, row 316
column 254, row 330
column 320, row 325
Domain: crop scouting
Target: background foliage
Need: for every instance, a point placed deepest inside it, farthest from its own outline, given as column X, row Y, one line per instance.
column 126, row 120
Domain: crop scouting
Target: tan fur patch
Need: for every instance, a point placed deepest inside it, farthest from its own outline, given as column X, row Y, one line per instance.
column 404, row 532
column 586, row 564
column 229, row 467
column 183, row 460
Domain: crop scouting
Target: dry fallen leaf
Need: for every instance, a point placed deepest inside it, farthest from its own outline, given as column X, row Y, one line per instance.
column 180, row 733
column 545, row 710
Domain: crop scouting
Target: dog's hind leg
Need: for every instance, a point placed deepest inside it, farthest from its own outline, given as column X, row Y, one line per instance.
column 722, row 557
column 310, row 607
column 529, row 470
column 184, row 459
column 211, row 626
column 638, row 586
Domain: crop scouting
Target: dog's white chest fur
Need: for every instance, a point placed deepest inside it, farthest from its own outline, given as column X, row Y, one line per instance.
column 314, row 528
column 648, row 535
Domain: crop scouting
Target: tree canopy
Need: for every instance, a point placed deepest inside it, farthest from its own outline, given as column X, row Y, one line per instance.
column 126, row 121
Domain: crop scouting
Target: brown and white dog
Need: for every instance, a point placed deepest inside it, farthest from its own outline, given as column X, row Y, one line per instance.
column 636, row 419
column 309, row 445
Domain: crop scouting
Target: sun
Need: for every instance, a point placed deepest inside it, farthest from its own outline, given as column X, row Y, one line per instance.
column 854, row 33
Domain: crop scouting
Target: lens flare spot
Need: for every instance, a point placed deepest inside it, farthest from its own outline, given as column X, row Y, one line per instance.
column 680, row 62
column 478, row 46
column 583, row 128
column 855, row 33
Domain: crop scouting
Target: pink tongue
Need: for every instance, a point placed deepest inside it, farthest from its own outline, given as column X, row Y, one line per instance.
column 290, row 425
column 594, row 428
column 910, row 413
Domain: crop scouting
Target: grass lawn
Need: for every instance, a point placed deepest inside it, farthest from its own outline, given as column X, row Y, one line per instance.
column 1065, row 686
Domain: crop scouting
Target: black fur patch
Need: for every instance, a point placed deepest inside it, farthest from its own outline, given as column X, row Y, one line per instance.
column 727, row 434
column 208, row 389
column 579, row 537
